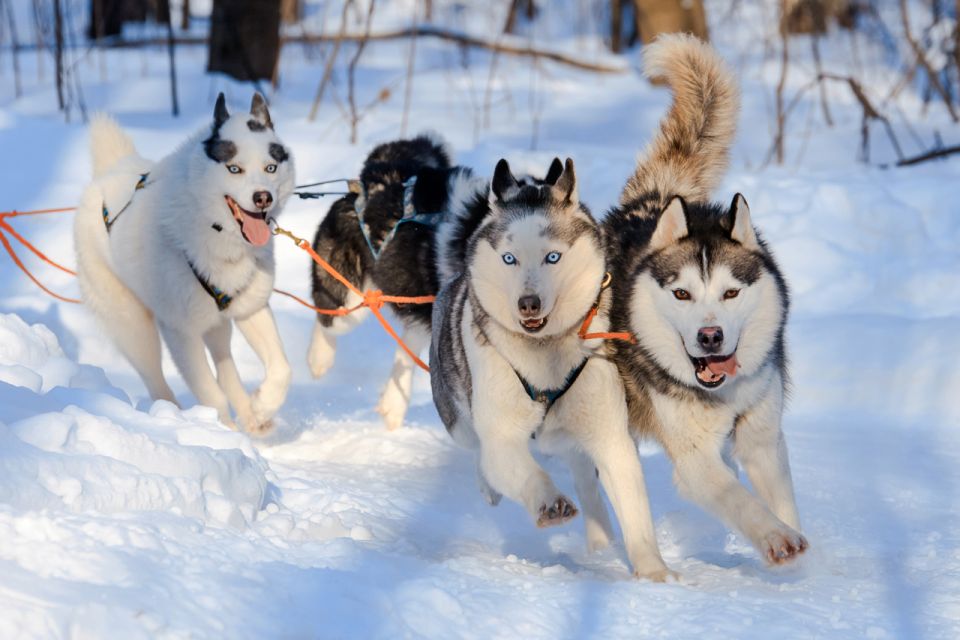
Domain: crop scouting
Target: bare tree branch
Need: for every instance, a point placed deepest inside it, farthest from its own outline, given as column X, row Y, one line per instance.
column 922, row 59
column 929, row 155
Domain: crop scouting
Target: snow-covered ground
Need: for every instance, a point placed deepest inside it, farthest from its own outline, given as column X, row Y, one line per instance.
column 122, row 518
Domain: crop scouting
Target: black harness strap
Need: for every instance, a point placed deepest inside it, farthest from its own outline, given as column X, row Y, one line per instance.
column 107, row 220
column 549, row 396
column 221, row 297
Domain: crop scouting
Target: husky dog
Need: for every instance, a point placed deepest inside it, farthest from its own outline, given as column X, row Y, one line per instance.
column 707, row 304
column 385, row 237
column 508, row 364
column 182, row 246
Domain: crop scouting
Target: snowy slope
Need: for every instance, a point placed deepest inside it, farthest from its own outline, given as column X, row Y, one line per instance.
column 122, row 518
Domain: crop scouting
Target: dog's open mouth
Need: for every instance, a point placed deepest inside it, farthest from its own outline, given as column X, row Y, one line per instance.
column 712, row 371
column 253, row 225
column 533, row 325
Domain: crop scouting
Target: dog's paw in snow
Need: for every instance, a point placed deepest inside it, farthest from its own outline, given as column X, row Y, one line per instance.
column 393, row 407
column 558, row 511
column 323, row 351
column 782, row 545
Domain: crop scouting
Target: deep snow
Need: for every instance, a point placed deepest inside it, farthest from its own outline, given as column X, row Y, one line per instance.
column 122, row 518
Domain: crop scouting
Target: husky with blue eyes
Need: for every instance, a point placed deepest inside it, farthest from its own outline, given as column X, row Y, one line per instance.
column 181, row 248
column 509, row 369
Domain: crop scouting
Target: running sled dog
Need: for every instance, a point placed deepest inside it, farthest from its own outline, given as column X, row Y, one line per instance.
column 182, row 248
column 702, row 294
column 508, row 363
column 386, row 235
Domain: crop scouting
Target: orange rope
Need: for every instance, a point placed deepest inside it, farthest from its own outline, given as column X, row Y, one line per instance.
column 374, row 299
column 5, row 226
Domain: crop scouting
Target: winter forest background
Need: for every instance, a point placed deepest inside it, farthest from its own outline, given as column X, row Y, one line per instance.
column 125, row 518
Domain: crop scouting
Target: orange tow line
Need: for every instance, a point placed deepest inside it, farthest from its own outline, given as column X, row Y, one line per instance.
column 374, row 299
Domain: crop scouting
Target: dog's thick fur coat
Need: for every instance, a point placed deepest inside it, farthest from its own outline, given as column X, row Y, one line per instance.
column 708, row 306
column 197, row 226
column 506, row 325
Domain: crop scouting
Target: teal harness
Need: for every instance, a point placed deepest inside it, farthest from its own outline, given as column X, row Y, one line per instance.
column 409, row 214
column 219, row 296
column 549, row 396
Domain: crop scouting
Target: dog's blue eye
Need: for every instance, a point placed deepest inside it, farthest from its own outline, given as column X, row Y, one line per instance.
column 232, row 168
column 553, row 257
column 509, row 258
column 271, row 168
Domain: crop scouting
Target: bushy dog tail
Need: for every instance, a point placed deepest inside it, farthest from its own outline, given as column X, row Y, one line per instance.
column 690, row 153
column 465, row 211
column 108, row 143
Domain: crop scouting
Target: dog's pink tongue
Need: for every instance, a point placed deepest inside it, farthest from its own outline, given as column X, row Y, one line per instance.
column 723, row 365
column 256, row 231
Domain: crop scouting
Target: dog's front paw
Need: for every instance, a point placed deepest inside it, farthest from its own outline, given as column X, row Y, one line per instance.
column 393, row 408
column 556, row 512
column 782, row 545
column 322, row 353
column 658, row 574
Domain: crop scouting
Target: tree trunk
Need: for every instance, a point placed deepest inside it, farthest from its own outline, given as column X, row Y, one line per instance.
column 185, row 15
column 107, row 17
column 814, row 16
column 245, row 38
column 616, row 25
column 290, row 11
column 670, row 16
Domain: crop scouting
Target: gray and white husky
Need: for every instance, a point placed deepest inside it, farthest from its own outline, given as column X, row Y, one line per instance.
column 182, row 246
column 507, row 363
column 707, row 304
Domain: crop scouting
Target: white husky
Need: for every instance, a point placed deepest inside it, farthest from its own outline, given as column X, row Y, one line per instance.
column 183, row 246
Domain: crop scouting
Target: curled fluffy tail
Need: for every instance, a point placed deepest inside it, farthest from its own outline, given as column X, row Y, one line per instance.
column 108, row 143
column 689, row 155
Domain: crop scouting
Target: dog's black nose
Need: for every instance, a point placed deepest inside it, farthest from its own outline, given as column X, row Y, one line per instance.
column 710, row 338
column 529, row 306
column 262, row 199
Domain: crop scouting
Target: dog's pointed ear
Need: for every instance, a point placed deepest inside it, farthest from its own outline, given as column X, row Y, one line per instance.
column 258, row 109
column 220, row 114
column 565, row 189
column 742, row 231
column 553, row 173
column 672, row 225
column 504, row 185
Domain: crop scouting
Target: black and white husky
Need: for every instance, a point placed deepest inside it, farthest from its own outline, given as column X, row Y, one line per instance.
column 507, row 362
column 182, row 246
column 391, row 235
column 707, row 304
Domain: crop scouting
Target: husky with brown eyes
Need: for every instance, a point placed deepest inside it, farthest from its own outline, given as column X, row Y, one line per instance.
column 707, row 305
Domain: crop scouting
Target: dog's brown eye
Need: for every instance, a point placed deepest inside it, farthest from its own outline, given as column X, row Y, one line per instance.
column 730, row 294
column 681, row 294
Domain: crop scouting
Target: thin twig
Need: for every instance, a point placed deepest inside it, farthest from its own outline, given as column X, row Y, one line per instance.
column 922, row 59
column 328, row 67
column 351, row 74
column 929, row 155
column 408, row 89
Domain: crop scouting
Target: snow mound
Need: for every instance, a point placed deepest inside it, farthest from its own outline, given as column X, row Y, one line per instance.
column 79, row 448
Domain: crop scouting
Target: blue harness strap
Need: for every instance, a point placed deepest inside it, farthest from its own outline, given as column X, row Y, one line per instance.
column 222, row 298
column 550, row 396
column 107, row 221
column 409, row 214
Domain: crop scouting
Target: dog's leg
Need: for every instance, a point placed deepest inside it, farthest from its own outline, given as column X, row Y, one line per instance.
column 323, row 345
column 190, row 357
column 129, row 323
column 396, row 395
column 218, row 342
column 260, row 330
column 594, row 413
column 595, row 516
column 504, row 422
column 762, row 450
column 694, row 440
